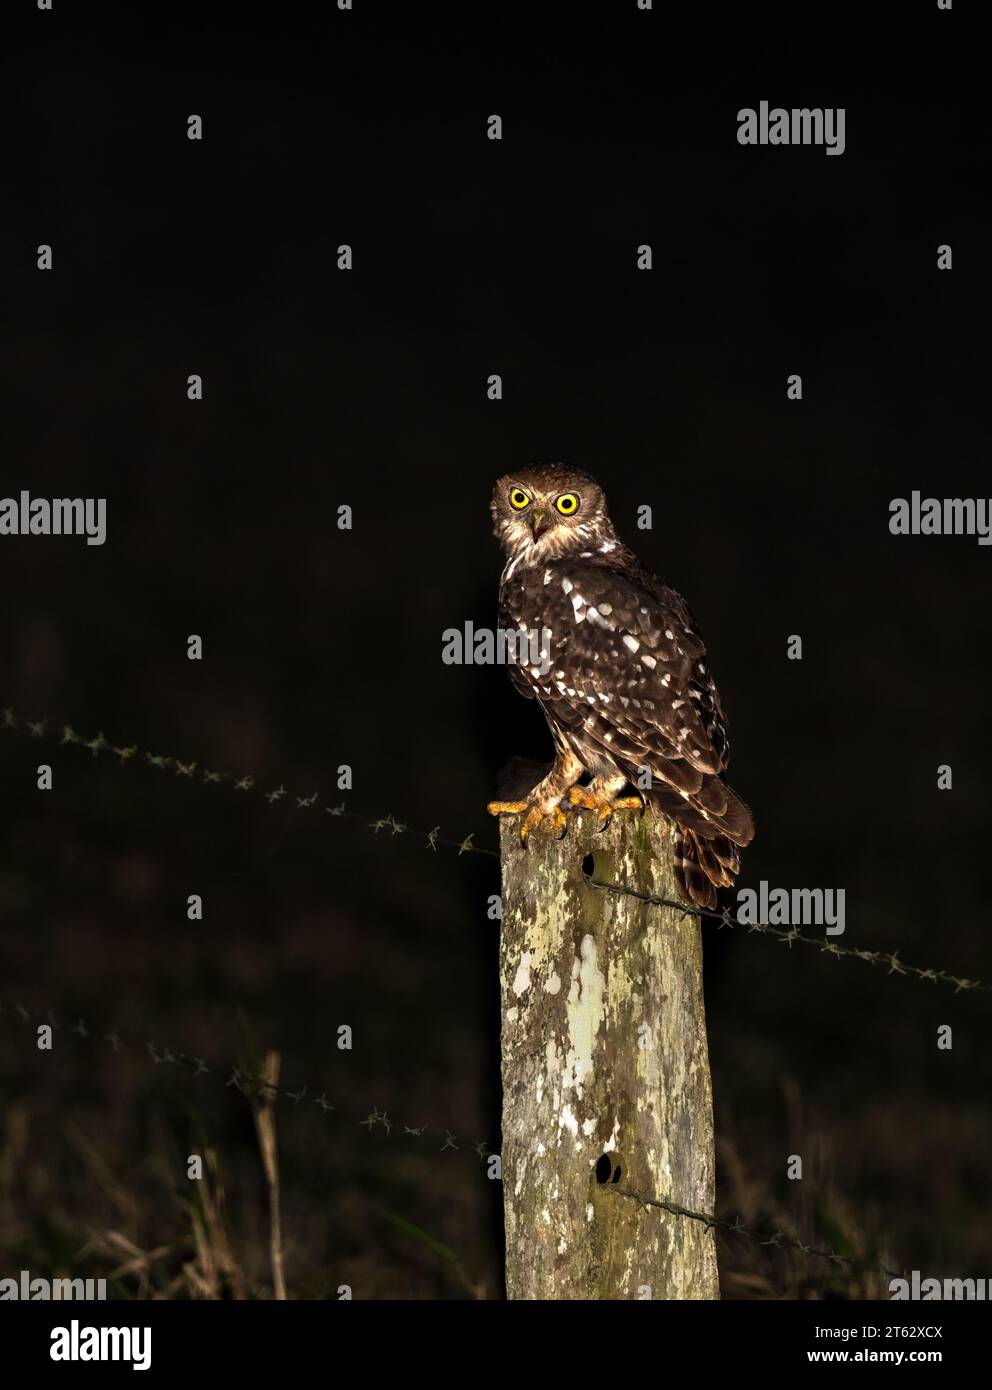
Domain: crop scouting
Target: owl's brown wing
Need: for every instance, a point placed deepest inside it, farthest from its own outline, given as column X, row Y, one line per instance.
column 511, row 620
column 629, row 680
column 625, row 649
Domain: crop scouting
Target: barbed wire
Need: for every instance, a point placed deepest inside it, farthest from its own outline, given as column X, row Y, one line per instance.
column 248, row 784
column 244, row 1079
column 726, row 919
column 248, row 1082
column 775, row 1239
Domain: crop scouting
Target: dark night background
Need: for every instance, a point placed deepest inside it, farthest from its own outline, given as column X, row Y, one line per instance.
column 322, row 647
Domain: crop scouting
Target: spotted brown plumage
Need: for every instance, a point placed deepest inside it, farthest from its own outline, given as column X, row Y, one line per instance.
column 625, row 685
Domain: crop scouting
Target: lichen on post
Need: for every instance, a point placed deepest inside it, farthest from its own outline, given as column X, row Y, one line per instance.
column 605, row 1068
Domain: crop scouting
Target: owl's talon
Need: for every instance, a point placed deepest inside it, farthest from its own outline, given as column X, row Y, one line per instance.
column 543, row 812
column 534, row 813
column 604, row 806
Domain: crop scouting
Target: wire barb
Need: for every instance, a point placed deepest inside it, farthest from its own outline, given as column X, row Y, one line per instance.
column 767, row 1239
column 37, row 728
column 792, row 934
column 243, row 1081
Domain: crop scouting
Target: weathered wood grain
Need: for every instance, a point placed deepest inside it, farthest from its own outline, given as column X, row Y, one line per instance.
column 603, row 1053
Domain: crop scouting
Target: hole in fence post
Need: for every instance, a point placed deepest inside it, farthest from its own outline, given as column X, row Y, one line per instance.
column 599, row 864
column 608, row 1169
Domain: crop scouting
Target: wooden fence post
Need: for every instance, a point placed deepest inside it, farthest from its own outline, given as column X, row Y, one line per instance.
column 605, row 1066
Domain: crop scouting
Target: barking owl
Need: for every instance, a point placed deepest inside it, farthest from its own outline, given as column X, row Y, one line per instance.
column 624, row 683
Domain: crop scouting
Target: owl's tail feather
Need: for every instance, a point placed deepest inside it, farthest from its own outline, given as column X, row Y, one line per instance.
column 704, row 865
column 711, row 822
column 707, row 856
column 724, row 812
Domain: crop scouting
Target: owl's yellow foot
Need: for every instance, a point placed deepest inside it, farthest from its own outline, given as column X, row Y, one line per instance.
column 534, row 813
column 604, row 806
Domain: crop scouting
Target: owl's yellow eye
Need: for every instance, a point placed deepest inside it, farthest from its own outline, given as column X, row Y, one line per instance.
column 519, row 499
column 567, row 503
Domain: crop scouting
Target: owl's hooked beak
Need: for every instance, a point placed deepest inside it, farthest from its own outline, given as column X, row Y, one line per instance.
column 539, row 523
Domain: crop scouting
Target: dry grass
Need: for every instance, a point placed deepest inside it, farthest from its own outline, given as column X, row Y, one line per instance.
column 156, row 1240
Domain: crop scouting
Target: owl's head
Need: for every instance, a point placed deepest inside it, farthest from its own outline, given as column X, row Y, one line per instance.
column 549, row 509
